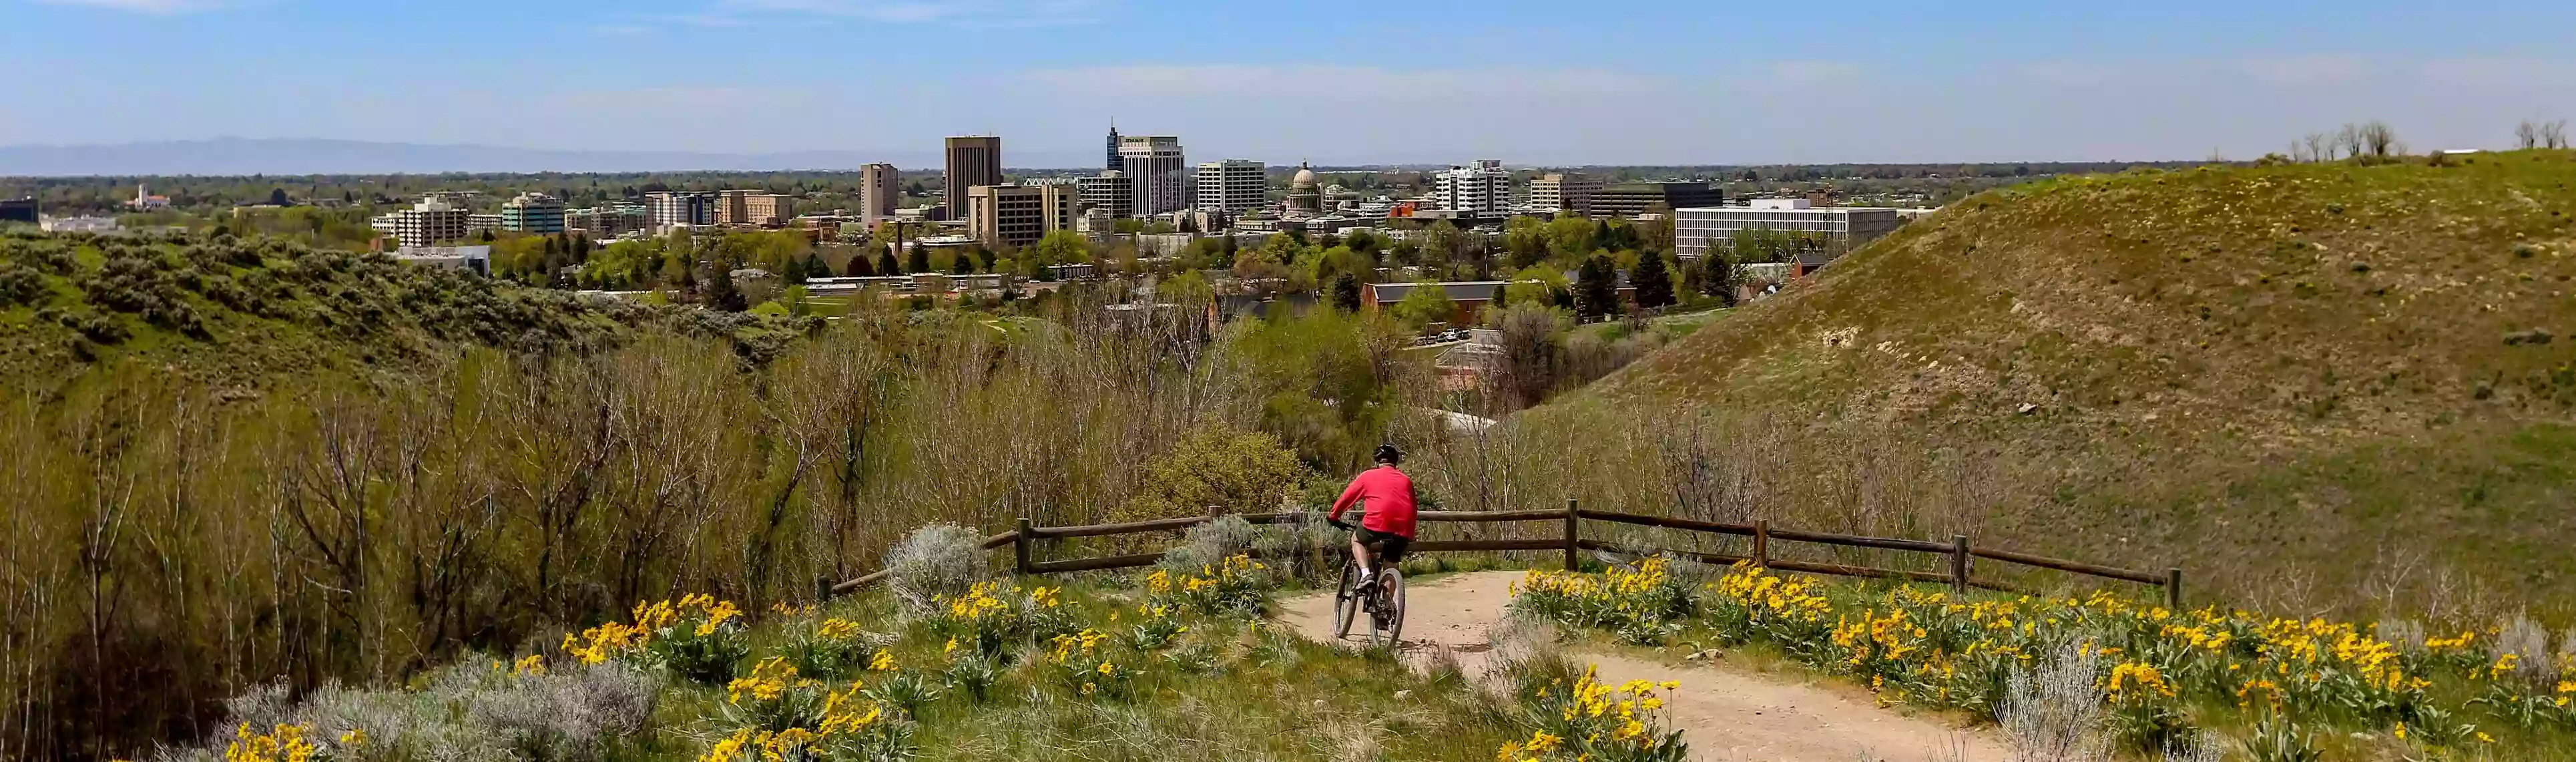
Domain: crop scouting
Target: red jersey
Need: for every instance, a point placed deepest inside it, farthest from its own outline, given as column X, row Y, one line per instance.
column 1390, row 500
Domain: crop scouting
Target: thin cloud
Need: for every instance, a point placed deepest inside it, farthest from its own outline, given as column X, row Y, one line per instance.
column 1322, row 82
column 1813, row 72
column 152, row 7
column 978, row 13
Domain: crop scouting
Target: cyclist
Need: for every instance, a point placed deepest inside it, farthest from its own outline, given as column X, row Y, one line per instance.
column 1386, row 497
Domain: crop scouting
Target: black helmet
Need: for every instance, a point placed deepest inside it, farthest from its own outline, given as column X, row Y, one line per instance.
column 1387, row 453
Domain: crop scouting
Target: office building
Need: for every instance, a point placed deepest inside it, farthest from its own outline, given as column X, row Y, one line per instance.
column 533, row 213
column 1158, row 172
column 767, row 210
column 1017, row 215
column 1233, row 186
column 1480, row 188
column 880, row 188
column 1112, row 164
column 433, row 221
column 1695, row 228
column 1632, row 199
column 680, row 208
column 608, row 221
column 1565, row 191
column 19, row 210
column 1111, row 193
column 972, row 160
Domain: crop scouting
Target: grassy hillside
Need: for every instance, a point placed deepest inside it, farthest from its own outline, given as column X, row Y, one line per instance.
column 227, row 308
column 2322, row 383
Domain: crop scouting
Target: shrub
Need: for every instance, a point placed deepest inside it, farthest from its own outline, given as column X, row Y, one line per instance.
column 465, row 711
column 934, row 562
column 1588, row 720
column 1238, row 586
column 2052, row 711
column 1245, row 471
column 1642, row 604
column 1210, row 544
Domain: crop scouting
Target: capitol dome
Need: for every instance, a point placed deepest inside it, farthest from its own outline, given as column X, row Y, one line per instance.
column 1305, row 177
column 1304, row 199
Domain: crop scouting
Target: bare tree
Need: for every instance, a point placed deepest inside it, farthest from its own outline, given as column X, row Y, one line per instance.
column 2554, row 134
column 2320, row 146
column 2526, row 135
column 2377, row 140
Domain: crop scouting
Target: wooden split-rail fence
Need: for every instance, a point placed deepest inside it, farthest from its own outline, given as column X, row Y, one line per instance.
column 1960, row 554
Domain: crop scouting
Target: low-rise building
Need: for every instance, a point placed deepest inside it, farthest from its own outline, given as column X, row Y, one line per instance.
column 473, row 259
column 20, row 210
column 1466, row 298
column 1632, row 199
column 608, row 221
column 1566, row 191
column 1696, row 228
column 80, row 225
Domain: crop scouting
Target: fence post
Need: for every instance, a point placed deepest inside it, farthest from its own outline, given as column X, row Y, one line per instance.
column 822, row 589
column 1215, row 511
column 1762, row 543
column 2173, row 589
column 1573, row 560
column 1020, row 546
column 1959, row 564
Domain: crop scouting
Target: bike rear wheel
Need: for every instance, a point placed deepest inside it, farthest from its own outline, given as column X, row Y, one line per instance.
column 1346, row 602
column 1387, row 618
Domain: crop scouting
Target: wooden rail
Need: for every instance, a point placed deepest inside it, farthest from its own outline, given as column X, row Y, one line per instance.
column 1023, row 543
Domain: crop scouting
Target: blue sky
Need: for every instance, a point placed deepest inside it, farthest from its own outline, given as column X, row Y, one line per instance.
column 1642, row 81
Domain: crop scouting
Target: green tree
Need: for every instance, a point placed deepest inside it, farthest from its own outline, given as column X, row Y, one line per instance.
column 962, row 263
column 859, row 266
column 1062, row 247
column 815, row 267
column 1237, row 470
column 1654, row 282
column 1428, row 303
column 722, row 294
column 920, row 259
column 1721, row 279
column 1596, row 288
column 886, row 265
column 1346, row 293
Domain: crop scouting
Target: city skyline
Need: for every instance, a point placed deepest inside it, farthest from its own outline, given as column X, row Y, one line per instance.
column 1658, row 83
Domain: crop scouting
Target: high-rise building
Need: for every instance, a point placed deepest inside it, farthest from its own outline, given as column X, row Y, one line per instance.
column 1158, row 171
column 972, row 160
column 1696, row 228
column 1482, row 188
column 19, row 210
column 1233, row 186
column 533, row 212
column 681, row 208
column 1017, row 215
column 1110, row 192
column 1113, row 164
column 879, row 189
column 433, row 221
column 1566, row 191
column 1632, row 199
column 608, row 221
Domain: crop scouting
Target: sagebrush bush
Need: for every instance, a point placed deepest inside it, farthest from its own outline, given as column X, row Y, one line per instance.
column 471, row 711
column 935, row 561
column 1210, row 544
column 2052, row 711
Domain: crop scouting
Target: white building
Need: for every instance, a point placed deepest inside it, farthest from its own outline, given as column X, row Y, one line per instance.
column 1233, row 185
column 1157, row 171
column 433, row 221
column 79, row 225
column 1565, row 191
column 1483, row 188
column 1695, row 228
column 474, row 259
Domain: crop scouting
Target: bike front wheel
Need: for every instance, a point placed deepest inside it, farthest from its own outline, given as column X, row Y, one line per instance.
column 1346, row 602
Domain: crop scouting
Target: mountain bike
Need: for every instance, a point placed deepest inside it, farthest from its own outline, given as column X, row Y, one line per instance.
column 1384, row 601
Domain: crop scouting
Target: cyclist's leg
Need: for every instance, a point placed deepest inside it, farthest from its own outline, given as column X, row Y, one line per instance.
column 1360, row 553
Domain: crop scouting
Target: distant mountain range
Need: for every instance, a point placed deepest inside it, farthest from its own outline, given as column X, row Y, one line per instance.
column 249, row 156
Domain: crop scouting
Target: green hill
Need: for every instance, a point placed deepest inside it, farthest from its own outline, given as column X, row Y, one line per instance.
column 2327, row 383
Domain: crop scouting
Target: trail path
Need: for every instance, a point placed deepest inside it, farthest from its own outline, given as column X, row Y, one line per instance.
column 1728, row 713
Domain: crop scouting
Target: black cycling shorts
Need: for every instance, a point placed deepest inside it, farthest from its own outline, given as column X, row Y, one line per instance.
column 1390, row 547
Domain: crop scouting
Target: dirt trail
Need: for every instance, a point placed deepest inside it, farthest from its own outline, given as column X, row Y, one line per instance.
column 1729, row 714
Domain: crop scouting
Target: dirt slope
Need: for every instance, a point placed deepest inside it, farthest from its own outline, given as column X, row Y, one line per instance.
column 1727, row 713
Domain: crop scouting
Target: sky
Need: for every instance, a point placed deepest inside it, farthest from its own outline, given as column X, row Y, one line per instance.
column 1331, row 81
